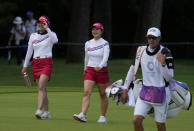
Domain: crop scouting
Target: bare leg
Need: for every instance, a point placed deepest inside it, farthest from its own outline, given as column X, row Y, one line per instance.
column 104, row 99
column 137, row 122
column 45, row 101
column 88, row 86
column 42, row 91
column 161, row 126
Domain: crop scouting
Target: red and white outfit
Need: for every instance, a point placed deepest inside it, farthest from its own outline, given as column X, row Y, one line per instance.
column 96, row 55
column 41, row 44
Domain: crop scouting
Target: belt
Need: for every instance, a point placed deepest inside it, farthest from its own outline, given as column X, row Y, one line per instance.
column 40, row 57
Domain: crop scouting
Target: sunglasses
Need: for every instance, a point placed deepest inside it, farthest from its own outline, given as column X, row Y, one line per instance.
column 151, row 37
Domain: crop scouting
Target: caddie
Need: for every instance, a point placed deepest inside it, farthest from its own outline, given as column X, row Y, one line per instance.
column 157, row 68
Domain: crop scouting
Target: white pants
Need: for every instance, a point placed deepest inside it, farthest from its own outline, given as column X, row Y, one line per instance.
column 160, row 111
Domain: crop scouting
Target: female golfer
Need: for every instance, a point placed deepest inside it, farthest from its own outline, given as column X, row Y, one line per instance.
column 96, row 72
column 41, row 44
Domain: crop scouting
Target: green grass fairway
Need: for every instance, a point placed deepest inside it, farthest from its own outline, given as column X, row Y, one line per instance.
column 17, row 114
column 18, row 103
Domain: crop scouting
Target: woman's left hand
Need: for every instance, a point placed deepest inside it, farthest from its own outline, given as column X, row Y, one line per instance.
column 45, row 25
column 97, row 68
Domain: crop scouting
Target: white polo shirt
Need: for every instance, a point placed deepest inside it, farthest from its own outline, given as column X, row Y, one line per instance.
column 96, row 53
column 41, row 44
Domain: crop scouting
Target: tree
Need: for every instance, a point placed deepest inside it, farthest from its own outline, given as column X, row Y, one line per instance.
column 102, row 12
column 78, row 31
column 150, row 15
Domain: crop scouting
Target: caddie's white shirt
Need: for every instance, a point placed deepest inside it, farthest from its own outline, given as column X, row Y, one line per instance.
column 41, row 44
column 152, row 71
column 96, row 53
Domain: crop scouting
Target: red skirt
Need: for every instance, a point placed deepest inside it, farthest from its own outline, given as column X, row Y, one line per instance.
column 42, row 66
column 100, row 77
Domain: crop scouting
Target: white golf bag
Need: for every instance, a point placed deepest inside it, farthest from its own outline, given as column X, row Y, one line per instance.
column 181, row 98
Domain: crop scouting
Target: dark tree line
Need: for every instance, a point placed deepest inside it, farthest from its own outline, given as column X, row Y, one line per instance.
column 82, row 12
column 124, row 21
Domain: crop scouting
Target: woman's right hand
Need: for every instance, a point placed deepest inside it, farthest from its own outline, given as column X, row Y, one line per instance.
column 45, row 25
column 97, row 68
column 24, row 69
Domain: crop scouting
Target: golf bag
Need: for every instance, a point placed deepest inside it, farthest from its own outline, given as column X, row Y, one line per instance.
column 181, row 98
column 114, row 90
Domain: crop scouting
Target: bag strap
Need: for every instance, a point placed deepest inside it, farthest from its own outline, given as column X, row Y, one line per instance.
column 139, row 54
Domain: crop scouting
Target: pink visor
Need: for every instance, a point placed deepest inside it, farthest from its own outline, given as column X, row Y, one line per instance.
column 44, row 19
column 98, row 25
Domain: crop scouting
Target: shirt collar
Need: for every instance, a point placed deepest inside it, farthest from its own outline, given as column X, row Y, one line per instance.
column 152, row 52
column 42, row 33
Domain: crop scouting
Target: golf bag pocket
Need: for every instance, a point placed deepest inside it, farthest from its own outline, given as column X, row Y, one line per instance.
column 153, row 94
column 177, row 98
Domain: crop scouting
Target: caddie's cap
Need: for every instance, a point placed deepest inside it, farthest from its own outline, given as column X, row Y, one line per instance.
column 154, row 31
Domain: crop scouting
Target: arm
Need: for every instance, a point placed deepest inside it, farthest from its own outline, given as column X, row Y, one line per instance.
column 167, row 62
column 86, row 57
column 129, row 77
column 167, row 73
column 21, row 32
column 128, row 80
column 134, row 67
column 29, row 52
column 52, row 36
column 11, row 36
column 105, row 56
column 131, row 73
column 10, row 39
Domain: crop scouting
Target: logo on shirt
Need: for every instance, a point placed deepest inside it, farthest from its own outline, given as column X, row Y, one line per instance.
column 97, row 47
column 150, row 65
column 40, row 40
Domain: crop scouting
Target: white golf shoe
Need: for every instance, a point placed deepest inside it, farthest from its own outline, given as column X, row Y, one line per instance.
column 102, row 119
column 38, row 114
column 80, row 117
column 45, row 115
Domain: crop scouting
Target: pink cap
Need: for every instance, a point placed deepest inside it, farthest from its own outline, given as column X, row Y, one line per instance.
column 44, row 19
column 98, row 25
